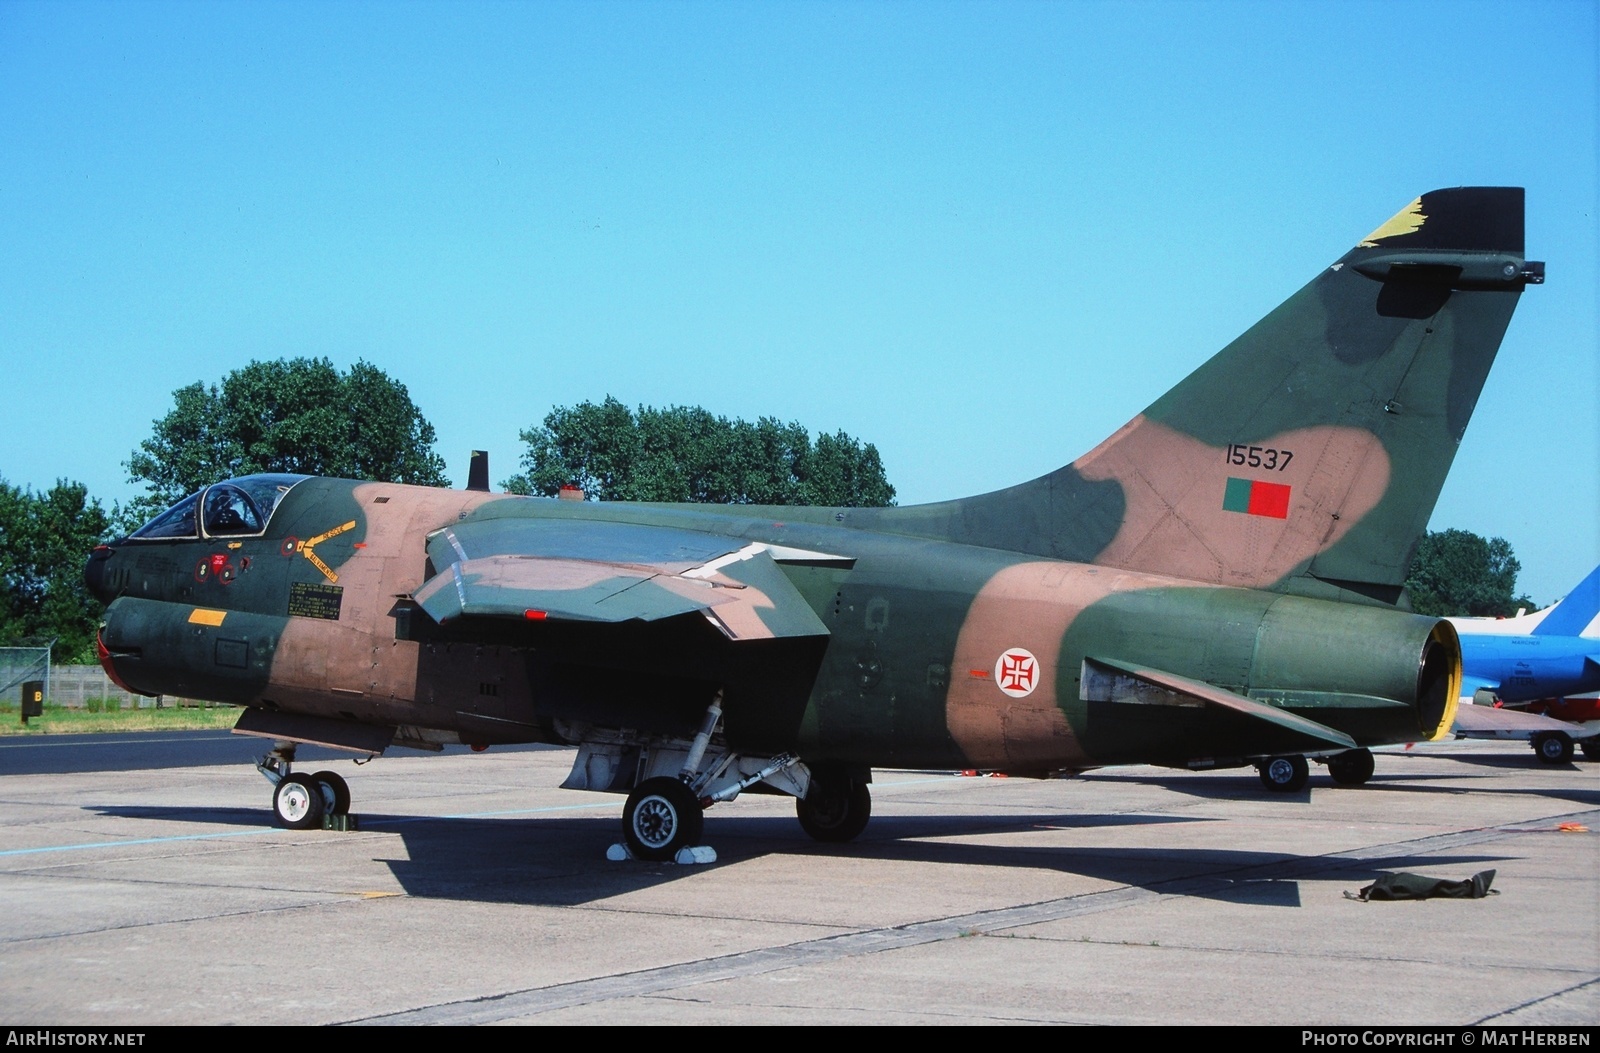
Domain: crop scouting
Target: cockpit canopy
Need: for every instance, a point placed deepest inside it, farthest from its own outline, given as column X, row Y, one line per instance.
column 235, row 508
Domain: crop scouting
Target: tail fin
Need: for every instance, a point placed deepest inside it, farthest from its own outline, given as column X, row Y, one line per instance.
column 1307, row 455
column 1575, row 614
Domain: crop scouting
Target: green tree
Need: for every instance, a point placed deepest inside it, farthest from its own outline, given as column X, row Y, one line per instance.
column 685, row 453
column 44, row 540
column 1456, row 572
column 289, row 415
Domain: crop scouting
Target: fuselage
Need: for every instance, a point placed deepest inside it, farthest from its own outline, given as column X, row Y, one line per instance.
column 1525, row 667
column 936, row 654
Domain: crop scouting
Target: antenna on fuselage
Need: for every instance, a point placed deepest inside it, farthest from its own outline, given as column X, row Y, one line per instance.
column 478, row 472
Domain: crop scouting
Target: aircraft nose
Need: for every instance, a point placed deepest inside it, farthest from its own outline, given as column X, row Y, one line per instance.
column 95, row 572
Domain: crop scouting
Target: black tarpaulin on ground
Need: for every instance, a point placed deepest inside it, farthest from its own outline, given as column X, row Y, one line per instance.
column 1417, row 886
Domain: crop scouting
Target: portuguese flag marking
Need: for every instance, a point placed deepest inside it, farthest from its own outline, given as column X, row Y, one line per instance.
column 1256, row 498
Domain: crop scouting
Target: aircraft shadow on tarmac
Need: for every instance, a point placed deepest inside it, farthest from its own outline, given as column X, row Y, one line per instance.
column 1214, row 788
column 559, row 861
column 1520, row 759
column 549, row 861
column 237, row 818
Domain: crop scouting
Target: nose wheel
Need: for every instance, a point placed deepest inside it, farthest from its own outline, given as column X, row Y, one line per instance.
column 300, row 802
column 297, row 803
column 335, row 792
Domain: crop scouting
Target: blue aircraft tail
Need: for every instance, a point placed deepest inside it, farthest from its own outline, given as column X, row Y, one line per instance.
column 1575, row 611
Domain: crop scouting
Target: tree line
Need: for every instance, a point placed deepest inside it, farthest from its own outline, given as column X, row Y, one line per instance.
column 305, row 416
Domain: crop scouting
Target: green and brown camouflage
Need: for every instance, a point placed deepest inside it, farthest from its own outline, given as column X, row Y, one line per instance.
column 1219, row 583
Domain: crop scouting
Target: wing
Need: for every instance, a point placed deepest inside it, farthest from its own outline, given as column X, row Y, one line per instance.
column 595, row 571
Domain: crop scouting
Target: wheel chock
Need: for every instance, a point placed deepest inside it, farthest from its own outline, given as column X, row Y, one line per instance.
column 696, row 854
column 686, row 856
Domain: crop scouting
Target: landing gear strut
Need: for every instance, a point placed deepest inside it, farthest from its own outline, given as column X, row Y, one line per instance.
column 671, row 781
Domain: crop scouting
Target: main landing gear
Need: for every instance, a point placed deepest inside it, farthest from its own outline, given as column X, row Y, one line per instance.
column 299, row 802
column 662, row 816
column 1284, row 774
column 1351, row 768
column 670, row 782
column 1288, row 773
column 836, row 808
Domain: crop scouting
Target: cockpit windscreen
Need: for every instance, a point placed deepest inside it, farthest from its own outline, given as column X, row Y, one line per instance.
column 236, row 508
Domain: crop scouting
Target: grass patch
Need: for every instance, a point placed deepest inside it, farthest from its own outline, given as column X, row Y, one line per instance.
column 103, row 715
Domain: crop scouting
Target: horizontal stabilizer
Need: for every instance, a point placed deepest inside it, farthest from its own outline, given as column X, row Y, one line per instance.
column 1492, row 721
column 1105, row 680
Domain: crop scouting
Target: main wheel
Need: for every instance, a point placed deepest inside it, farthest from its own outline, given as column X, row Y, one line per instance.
column 1284, row 774
column 1591, row 748
column 297, row 803
column 836, row 808
column 335, row 792
column 661, row 816
column 1553, row 747
column 1351, row 768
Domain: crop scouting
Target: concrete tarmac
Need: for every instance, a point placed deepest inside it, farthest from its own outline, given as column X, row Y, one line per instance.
column 476, row 892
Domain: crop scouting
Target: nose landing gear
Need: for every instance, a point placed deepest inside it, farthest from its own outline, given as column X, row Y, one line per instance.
column 305, row 802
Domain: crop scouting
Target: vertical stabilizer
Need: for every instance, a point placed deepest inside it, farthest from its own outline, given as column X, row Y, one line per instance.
column 1576, row 613
column 1307, row 455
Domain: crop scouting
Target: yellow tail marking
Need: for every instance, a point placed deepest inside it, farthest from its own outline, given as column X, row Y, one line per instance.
column 1406, row 221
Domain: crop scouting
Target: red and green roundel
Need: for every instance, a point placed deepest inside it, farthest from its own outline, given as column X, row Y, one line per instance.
column 1256, row 498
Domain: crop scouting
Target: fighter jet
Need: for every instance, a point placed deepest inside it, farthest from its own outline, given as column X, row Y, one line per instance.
column 1535, row 661
column 1218, row 583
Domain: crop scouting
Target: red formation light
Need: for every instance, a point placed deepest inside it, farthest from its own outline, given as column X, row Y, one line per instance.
column 534, row 616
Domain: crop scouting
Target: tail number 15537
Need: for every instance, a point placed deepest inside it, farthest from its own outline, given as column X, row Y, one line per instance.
column 1264, row 457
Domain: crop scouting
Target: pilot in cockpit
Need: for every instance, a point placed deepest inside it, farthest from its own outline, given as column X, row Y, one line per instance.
column 229, row 511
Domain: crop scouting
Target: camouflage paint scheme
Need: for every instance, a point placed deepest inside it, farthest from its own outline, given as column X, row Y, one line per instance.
column 1218, row 583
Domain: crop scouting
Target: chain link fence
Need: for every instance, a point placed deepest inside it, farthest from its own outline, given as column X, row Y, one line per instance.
column 73, row 686
column 18, row 665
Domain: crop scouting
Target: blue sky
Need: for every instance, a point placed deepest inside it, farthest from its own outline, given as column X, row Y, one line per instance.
column 979, row 235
